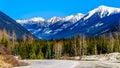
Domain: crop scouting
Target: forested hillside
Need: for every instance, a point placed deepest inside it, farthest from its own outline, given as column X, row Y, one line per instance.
column 29, row 48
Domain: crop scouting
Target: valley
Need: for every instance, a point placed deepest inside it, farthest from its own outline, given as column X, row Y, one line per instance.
column 90, row 40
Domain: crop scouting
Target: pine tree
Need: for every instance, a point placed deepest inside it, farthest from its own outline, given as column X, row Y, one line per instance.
column 5, row 38
column 32, row 55
column 40, row 55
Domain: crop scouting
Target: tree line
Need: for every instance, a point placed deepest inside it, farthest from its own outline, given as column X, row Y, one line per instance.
column 30, row 48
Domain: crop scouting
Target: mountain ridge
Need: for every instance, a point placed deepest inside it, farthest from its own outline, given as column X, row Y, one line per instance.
column 95, row 22
column 51, row 20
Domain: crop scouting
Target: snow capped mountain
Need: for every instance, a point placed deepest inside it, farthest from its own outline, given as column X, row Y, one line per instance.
column 103, row 11
column 73, row 18
column 96, row 22
column 32, row 20
column 38, row 19
column 41, row 27
column 54, row 19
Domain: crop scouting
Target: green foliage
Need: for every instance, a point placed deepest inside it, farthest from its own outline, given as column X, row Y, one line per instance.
column 28, row 48
column 40, row 55
column 32, row 55
column 4, row 39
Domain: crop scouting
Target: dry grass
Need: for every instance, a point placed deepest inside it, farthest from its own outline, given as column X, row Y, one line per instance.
column 3, row 63
column 6, row 59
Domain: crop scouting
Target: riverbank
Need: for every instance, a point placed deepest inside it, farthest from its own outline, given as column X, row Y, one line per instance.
column 49, row 64
column 70, row 64
column 111, row 60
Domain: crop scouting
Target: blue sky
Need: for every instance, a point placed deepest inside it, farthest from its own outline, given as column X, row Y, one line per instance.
column 22, row 9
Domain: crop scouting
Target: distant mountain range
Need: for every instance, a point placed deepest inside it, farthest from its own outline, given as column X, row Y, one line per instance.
column 42, row 28
column 11, row 25
column 96, row 22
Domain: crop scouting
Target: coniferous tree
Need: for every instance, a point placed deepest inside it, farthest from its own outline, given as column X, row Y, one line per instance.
column 40, row 55
column 5, row 38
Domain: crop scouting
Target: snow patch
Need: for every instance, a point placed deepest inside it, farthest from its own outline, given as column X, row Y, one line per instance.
column 58, row 30
column 48, row 31
column 36, row 31
column 65, row 26
column 99, row 24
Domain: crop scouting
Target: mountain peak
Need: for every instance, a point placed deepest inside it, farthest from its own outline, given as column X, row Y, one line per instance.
column 54, row 19
column 103, row 11
column 74, row 18
column 102, row 7
column 37, row 19
column 80, row 14
column 98, row 21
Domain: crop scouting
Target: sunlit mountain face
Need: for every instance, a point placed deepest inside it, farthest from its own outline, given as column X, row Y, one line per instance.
column 100, row 20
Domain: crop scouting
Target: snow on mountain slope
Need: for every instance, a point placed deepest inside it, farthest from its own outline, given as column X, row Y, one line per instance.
column 73, row 18
column 54, row 19
column 103, row 11
column 35, row 19
column 41, row 27
column 96, row 22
